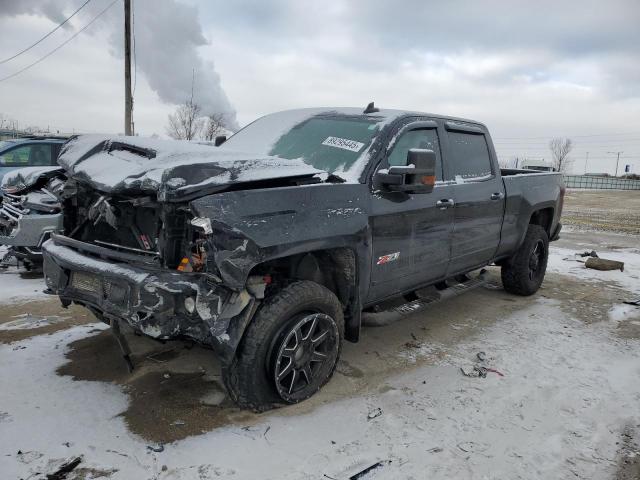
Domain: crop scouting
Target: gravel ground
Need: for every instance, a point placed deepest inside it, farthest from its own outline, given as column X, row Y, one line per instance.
column 603, row 210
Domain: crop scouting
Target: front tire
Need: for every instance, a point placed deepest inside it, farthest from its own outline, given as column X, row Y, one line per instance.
column 289, row 350
column 523, row 273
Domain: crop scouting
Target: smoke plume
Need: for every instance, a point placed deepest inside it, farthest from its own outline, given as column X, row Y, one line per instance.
column 167, row 37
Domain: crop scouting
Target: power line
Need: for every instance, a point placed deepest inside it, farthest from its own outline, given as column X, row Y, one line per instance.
column 594, row 142
column 61, row 45
column 570, row 136
column 47, row 35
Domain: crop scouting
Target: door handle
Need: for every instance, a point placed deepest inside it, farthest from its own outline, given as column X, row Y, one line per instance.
column 497, row 196
column 445, row 203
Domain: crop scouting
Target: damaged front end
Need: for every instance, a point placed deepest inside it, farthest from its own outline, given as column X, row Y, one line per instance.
column 150, row 265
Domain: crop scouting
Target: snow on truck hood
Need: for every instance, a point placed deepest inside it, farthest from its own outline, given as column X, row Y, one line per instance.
column 167, row 168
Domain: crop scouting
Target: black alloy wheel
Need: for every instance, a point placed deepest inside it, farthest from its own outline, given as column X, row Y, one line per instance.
column 305, row 353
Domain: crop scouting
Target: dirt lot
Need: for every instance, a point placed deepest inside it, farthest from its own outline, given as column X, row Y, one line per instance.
column 603, row 210
column 565, row 407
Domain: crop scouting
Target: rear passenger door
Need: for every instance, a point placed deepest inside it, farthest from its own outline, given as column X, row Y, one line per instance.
column 478, row 193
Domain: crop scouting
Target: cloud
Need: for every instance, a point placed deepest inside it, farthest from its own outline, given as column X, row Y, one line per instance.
column 167, row 40
column 526, row 69
column 48, row 8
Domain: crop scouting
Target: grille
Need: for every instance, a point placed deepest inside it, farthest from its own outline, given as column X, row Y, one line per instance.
column 11, row 211
column 86, row 282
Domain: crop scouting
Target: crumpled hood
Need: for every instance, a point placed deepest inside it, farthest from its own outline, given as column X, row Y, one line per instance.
column 169, row 169
column 17, row 181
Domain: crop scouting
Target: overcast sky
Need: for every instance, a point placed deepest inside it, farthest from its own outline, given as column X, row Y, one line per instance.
column 529, row 70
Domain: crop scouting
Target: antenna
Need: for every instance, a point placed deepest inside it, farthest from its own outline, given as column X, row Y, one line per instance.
column 371, row 109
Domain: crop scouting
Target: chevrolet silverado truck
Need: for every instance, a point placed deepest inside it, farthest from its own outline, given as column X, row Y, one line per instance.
column 281, row 243
column 31, row 209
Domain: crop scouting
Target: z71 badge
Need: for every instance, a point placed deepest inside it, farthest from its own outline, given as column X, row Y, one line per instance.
column 388, row 258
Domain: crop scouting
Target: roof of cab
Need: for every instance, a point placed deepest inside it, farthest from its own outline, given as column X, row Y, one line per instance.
column 388, row 114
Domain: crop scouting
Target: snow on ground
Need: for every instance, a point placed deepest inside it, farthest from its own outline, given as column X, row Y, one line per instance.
column 566, row 261
column 18, row 285
column 563, row 403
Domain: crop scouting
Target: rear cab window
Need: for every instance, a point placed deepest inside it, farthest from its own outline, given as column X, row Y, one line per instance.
column 469, row 158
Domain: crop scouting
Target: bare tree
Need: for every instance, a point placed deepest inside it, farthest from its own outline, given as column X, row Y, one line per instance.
column 560, row 149
column 216, row 124
column 186, row 123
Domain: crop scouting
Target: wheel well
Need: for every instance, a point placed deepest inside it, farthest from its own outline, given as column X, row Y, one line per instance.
column 543, row 217
column 333, row 268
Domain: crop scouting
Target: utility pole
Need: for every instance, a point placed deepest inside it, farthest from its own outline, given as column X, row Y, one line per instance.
column 128, row 100
column 585, row 163
column 617, row 160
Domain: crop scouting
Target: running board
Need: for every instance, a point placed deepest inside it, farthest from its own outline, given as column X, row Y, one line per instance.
column 426, row 299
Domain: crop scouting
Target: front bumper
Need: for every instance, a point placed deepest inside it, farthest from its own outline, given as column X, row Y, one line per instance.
column 150, row 299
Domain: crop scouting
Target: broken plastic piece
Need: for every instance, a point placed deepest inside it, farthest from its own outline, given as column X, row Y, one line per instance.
column 374, row 413
column 185, row 265
column 375, row 466
column 122, row 341
column 64, row 469
column 203, row 223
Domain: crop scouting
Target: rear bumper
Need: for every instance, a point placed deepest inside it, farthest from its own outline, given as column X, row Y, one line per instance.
column 556, row 233
column 151, row 300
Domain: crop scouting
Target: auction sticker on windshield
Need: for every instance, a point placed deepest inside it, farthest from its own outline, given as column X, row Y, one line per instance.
column 343, row 143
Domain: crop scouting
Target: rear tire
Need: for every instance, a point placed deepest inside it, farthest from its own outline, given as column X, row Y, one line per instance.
column 289, row 350
column 523, row 273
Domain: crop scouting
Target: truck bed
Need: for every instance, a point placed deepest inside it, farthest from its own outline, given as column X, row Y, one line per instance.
column 528, row 191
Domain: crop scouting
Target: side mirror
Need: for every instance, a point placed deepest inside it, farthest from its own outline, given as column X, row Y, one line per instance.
column 220, row 139
column 418, row 176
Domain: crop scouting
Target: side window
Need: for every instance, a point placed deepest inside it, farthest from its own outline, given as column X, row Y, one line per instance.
column 469, row 156
column 27, row 156
column 426, row 138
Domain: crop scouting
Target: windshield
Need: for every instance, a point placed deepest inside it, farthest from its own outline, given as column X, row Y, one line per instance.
column 329, row 142
column 5, row 143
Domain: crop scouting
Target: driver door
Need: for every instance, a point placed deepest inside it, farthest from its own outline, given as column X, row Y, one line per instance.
column 411, row 232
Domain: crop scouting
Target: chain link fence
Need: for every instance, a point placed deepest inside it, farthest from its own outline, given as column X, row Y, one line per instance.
column 600, row 183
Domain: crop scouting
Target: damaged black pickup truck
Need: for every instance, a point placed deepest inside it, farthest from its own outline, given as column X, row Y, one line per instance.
column 282, row 242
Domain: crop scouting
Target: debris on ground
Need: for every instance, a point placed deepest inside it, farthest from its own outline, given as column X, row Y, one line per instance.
column 474, row 371
column 155, row 448
column 435, row 450
column 374, row 413
column 592, row 253
column 64, row 469
column 162, row 356
column 604, row 264
column 369, row 469
column 635, row 302
column 469, row 447
column 478, row 370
